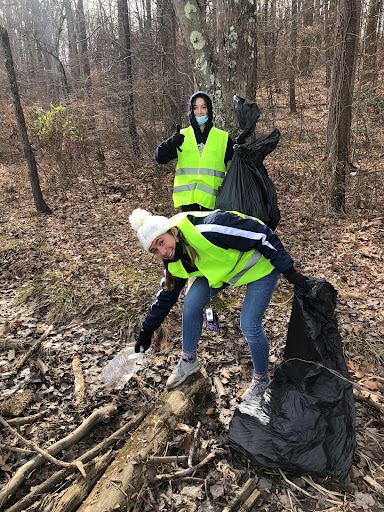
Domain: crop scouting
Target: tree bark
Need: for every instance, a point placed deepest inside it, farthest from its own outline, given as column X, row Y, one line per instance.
column 192, row 21
column 72, row 43
column 293, row 70
column 306, row 42
column 370, row 54
column 126, row 59
column 33, row 175
column 340, row 108
column 329, row 39
column 84, row 57
column 118, row 487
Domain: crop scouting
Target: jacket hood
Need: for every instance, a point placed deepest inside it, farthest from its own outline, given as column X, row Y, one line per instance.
column 192, row 119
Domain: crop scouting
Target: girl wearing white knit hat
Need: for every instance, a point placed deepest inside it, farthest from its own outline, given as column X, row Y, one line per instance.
column 218, row 249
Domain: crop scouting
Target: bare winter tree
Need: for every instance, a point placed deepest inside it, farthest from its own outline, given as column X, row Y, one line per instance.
column 40, row 204
column 329, row 38
column 306, row 41
column 340, row 107
column 126, row 66
column 170, row 97
column 293, row 69
column 72, row 41
column 370, row 54
column 84, row 57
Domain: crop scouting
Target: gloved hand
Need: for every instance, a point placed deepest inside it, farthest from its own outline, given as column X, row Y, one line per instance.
column 240, row 139
column 296, row 278
column 144, row 340
column 176, row 140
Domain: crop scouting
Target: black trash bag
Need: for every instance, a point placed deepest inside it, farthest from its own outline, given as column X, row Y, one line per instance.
column 247, row 187
column 304, row 423
column 247, row 113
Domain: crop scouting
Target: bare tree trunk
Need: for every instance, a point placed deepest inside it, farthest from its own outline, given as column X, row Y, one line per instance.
column 340, row 107
column 370, row 54
column 126, row 60
column 72, row 43
column 329, row 37
column 170, row 100
column 40, row 204
column 270, row 42
column 305, row 53
column 84, row 57
column 293, row 70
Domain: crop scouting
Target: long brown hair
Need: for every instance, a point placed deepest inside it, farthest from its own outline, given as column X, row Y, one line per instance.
column 169, row 279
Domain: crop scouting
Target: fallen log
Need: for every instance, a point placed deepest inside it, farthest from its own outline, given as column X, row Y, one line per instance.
column 118, row 488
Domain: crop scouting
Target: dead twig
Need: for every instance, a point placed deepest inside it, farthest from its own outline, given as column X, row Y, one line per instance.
column 242, row 495
column 79, row 379
column 375, row 485
column 59, row 476
column 16, row 449
column 249, row 502
column 16, row 422
column 334, row 501
column 24, row 471
column 367, row 400
column 170, row 459
column 42, row 452
column 35, row 347
column 185, row 472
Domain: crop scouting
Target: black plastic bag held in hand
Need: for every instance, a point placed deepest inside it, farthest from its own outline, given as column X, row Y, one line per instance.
column 247, row 187
column 305, row 421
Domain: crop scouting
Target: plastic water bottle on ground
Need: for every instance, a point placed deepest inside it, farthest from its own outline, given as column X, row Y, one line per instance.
column 122, row 367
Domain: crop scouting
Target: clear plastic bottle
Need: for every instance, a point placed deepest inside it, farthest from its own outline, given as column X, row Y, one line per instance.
column 121, row 368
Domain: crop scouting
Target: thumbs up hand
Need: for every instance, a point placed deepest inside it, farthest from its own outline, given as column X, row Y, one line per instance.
column 176, row 140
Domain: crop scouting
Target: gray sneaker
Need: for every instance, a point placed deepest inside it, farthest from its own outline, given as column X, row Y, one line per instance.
column 181, row 372
column 257, row 387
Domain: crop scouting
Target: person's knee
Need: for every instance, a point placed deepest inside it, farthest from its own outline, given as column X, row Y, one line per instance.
column 251, row 330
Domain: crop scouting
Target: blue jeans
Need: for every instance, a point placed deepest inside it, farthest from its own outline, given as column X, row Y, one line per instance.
column 257, row 298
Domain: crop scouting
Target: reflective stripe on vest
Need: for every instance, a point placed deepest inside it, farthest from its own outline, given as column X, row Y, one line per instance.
column 216, row 264
column 197, row 179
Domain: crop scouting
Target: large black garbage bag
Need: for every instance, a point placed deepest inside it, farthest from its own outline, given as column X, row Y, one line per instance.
column 305, row 422
column 247, row 187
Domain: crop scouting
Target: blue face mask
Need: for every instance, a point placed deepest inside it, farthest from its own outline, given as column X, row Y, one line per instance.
column 201, row 119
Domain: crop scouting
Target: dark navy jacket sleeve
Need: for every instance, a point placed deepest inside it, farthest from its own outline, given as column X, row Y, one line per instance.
column 164, row 153
column 162, row 305
column 230, row 231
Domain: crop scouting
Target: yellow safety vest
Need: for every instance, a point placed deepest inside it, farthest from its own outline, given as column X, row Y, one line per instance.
column 216, row 264
column 198, row 179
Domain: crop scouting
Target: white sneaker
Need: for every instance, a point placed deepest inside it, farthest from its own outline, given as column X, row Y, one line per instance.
column 181, row 372
column 257, row 387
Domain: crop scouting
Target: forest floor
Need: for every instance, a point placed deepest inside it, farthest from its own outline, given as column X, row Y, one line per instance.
column 82, row 271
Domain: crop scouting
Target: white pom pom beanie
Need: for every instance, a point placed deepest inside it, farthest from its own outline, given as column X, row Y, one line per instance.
column 148, row 227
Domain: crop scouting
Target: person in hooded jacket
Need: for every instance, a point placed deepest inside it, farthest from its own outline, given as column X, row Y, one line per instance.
column 202, row 153
column 219, row 249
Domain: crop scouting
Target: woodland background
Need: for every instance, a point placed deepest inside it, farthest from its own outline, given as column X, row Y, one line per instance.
column 101, row 84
